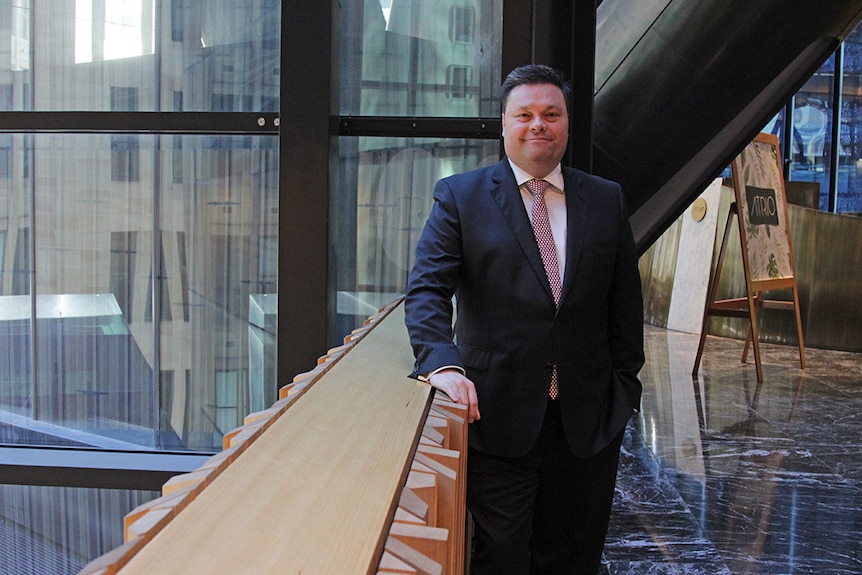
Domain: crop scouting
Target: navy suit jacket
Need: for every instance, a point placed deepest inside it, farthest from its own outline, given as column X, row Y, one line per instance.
column 478, row 246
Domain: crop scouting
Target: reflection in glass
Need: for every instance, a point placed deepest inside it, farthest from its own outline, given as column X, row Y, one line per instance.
column 118, row 30
column 383, row 197
column 418, row 58
column 811, row 131
column 16, row 382
column 219, row 233
column 813, row 119
column 193, row 55
column 153, row 281
column 58, row 530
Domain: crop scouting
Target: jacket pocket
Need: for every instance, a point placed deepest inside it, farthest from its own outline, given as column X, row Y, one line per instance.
column 475, row 357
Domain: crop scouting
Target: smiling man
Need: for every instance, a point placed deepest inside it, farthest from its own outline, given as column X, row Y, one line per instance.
column 535, row 127
column 548, row 340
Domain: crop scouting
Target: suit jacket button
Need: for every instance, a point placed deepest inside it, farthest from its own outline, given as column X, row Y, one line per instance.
column 549, row 367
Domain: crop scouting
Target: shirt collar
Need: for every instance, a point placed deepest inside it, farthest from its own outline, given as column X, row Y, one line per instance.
column 555, row 178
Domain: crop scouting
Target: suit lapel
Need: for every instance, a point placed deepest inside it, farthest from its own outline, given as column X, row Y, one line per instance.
column 507, row 196
column 577, row 202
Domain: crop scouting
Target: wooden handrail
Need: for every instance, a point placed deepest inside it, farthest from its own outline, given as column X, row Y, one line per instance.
column 355, row 469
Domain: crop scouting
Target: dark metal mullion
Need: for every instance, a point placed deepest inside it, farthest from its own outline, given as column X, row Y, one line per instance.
column 482, row 128
column 94, row 468
column 583, row 71
column 141, row 122
column 305, row 299
column 835, row 146
column 517, row 35
column 788, row 140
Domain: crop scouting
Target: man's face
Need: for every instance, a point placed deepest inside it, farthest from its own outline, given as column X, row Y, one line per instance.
column 536, row 127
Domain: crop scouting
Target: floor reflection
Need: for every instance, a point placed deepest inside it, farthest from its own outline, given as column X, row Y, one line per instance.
column 722, row 475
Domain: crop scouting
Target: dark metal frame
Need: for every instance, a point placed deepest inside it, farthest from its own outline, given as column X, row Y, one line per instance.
column 474, row 128
column 305, row 145
column 94, row 468
column 835, row 144
column 191, row 123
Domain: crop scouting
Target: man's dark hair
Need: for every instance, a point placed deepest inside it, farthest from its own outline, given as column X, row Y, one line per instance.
column 534, row 74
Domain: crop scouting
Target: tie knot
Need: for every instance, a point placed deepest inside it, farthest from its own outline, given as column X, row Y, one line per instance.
column 537, row 187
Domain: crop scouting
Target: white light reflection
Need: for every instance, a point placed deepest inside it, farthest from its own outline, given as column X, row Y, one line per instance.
column 126, row 30
column 386, row 6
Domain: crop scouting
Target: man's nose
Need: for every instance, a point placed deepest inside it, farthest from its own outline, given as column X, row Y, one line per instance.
column 538, row 124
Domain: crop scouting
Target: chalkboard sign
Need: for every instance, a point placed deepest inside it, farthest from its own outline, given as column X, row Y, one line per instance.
column 762, row 206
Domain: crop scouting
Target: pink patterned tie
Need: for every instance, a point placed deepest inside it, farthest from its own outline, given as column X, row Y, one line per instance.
column 545, row 239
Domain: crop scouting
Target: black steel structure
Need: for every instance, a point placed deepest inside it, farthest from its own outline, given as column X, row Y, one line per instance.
column 698, row 81
column 94, row 468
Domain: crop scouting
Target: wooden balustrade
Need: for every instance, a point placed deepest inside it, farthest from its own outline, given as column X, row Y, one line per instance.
column 355, row 469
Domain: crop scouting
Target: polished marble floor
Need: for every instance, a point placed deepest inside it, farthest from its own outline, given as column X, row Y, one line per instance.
column 720, row 475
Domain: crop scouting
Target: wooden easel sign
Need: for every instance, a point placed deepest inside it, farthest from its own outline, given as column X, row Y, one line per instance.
column 760, row 211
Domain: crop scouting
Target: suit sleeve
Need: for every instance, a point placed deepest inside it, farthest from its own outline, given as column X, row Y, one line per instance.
column 428, row 303
column 625, row 318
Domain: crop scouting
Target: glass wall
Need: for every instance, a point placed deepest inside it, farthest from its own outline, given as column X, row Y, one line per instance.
column 825, row 101
column 404, row 58
column 418, row 58
column 812, row 113
column 139, row 55
column 138, row 264
column 384, row 197
column 218, row 250
column 137, row 269
column 58, row 530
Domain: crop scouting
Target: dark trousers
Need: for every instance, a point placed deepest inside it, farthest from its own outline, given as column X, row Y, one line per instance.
column 546, row 512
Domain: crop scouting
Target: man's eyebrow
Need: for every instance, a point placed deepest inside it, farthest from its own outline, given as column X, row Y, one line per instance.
column 529, row 106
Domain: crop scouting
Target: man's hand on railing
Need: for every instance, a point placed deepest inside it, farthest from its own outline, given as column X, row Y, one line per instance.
column 459, row 388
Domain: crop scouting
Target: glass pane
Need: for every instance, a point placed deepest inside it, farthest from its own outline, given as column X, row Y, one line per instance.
column 419, row 58
column 58, row 530
column 93, row 244
column 16, row 387
column 383, row 196
column 147, row 55
column 100, row 271
column 219, row 236
column 15, row 77
column 850, row 169
column 812, row 132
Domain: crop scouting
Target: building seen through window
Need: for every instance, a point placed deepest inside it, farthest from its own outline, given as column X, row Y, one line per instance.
column 817, row 110
column 131, row 263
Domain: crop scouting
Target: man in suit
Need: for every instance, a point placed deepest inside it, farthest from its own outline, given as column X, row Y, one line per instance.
column 545, row 353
